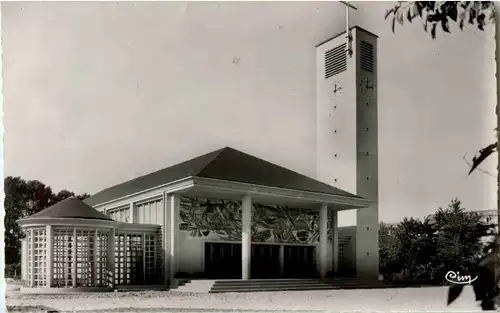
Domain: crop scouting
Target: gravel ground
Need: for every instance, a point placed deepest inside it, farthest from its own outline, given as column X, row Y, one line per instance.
column 368, row 300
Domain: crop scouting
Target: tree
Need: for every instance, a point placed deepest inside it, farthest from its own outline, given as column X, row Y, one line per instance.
column 459, row 234
column 64, row 194
column 389, row 248
column 407, row 251
column 16, row 207
column 24, row 198
column 418, row 248
column 477, row 13
column 433, row 13
column 450, row 239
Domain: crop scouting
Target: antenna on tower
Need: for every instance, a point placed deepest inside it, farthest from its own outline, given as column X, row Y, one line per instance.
column 347, row 29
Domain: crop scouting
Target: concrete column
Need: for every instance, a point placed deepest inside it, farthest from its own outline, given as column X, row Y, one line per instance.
column 172, row 219
column 164, row 235
column 94, row 265
column 32, row 253
column 24, row 258
column 246, row 237
column 132, row 213
column 282, row 260
column 73, row 269
column 111, row 258
column 323, row 240
column 335, row 241
column 49, row 258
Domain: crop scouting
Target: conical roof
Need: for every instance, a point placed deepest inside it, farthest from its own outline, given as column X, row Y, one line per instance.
column 70, row 208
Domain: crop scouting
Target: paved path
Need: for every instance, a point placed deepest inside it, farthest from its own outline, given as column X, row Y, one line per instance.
column 369, row 300
column 41, row 309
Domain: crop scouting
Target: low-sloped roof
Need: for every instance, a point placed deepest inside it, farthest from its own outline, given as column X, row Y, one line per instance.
column 225, row 164
column 70, row 208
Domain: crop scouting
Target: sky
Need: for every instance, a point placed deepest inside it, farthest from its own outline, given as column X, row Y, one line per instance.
column 99, row 93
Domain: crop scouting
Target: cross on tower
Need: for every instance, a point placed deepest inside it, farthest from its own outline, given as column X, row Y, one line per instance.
column 347, row 29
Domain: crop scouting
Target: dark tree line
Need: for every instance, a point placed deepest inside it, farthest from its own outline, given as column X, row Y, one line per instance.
column 24, row 198
column 423, row 251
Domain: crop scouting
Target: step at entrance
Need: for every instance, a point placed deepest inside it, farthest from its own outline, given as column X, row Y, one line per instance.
column 128, row 288
column 196, row 286
column 255, row 285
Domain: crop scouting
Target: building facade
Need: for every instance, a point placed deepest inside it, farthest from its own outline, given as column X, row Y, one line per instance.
column 204, row 227
column 227, row 214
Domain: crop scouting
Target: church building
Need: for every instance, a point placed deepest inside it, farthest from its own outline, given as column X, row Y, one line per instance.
column 228, row 214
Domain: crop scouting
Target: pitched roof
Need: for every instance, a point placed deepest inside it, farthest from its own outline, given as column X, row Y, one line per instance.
column 70, row 208
column 224, row 164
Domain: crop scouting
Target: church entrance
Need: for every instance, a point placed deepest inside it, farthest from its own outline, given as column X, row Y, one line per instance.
column 265, row 261
column 223, row 261
column 299, row 261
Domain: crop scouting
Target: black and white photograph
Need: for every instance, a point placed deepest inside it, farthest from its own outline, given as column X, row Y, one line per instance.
column 250, row 156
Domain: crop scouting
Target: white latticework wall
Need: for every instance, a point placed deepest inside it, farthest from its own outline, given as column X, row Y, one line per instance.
column 78, row 257
column 120, row 274
column 85, row 258
column 63, row 245
column 159, row 257
column 136, row 259
column 39, row 257
column 149, row 257
column 101, row 258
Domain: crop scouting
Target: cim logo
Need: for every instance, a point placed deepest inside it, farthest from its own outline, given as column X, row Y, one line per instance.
column 456, row 278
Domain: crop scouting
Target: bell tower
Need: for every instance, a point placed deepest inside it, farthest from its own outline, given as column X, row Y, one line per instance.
column 347, row 132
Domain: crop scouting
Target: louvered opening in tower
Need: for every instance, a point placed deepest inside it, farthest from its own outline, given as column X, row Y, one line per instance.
column 366, row 56
column 335, row 61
